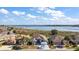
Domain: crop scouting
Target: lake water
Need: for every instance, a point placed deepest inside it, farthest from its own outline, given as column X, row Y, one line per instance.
column 60, row 28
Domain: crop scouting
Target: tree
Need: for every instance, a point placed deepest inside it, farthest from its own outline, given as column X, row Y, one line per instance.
column 54, row 32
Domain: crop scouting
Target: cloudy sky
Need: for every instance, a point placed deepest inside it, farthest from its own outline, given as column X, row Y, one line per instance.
column 39, row 15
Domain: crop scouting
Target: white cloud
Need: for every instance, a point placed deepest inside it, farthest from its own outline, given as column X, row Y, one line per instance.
column 64, row 21
column 4, row 11
column 42, row 8
column 54, row 13
column 58, row 17
column 45, row 8
column 31, row 16
column 52, row 7
column 52, row 17
column 50, row 11
column 57, row 14
column 18, row 13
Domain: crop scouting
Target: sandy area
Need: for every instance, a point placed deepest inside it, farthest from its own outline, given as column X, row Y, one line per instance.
column 6, row 47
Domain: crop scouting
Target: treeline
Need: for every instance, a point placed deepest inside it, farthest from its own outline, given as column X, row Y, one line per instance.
column 38, row 25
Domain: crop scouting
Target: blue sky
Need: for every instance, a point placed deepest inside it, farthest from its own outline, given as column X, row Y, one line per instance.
column 39, row 15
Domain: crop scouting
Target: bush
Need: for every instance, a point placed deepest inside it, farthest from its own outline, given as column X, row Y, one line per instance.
column 66, row 38
column 73, row 37
column 16, row 47
column 54, row 32
column 14, row 31
column 29, row 42
column 71, row 42
column 76, row 49
column 9, row 28
column 49, row 41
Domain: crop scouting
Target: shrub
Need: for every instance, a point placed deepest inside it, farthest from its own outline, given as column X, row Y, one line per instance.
column 14, row 31
column 66, row 38
column 76, row 49
column 49, row 41
column 9, row 28
column 54, row 32
column 29, row 42
column 16, row 47
column 73, row 37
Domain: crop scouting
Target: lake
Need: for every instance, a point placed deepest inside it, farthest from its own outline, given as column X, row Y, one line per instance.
column 60, row 28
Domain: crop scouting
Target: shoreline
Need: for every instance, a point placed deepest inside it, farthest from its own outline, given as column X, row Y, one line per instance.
column 29, row 31
column 46, row 31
